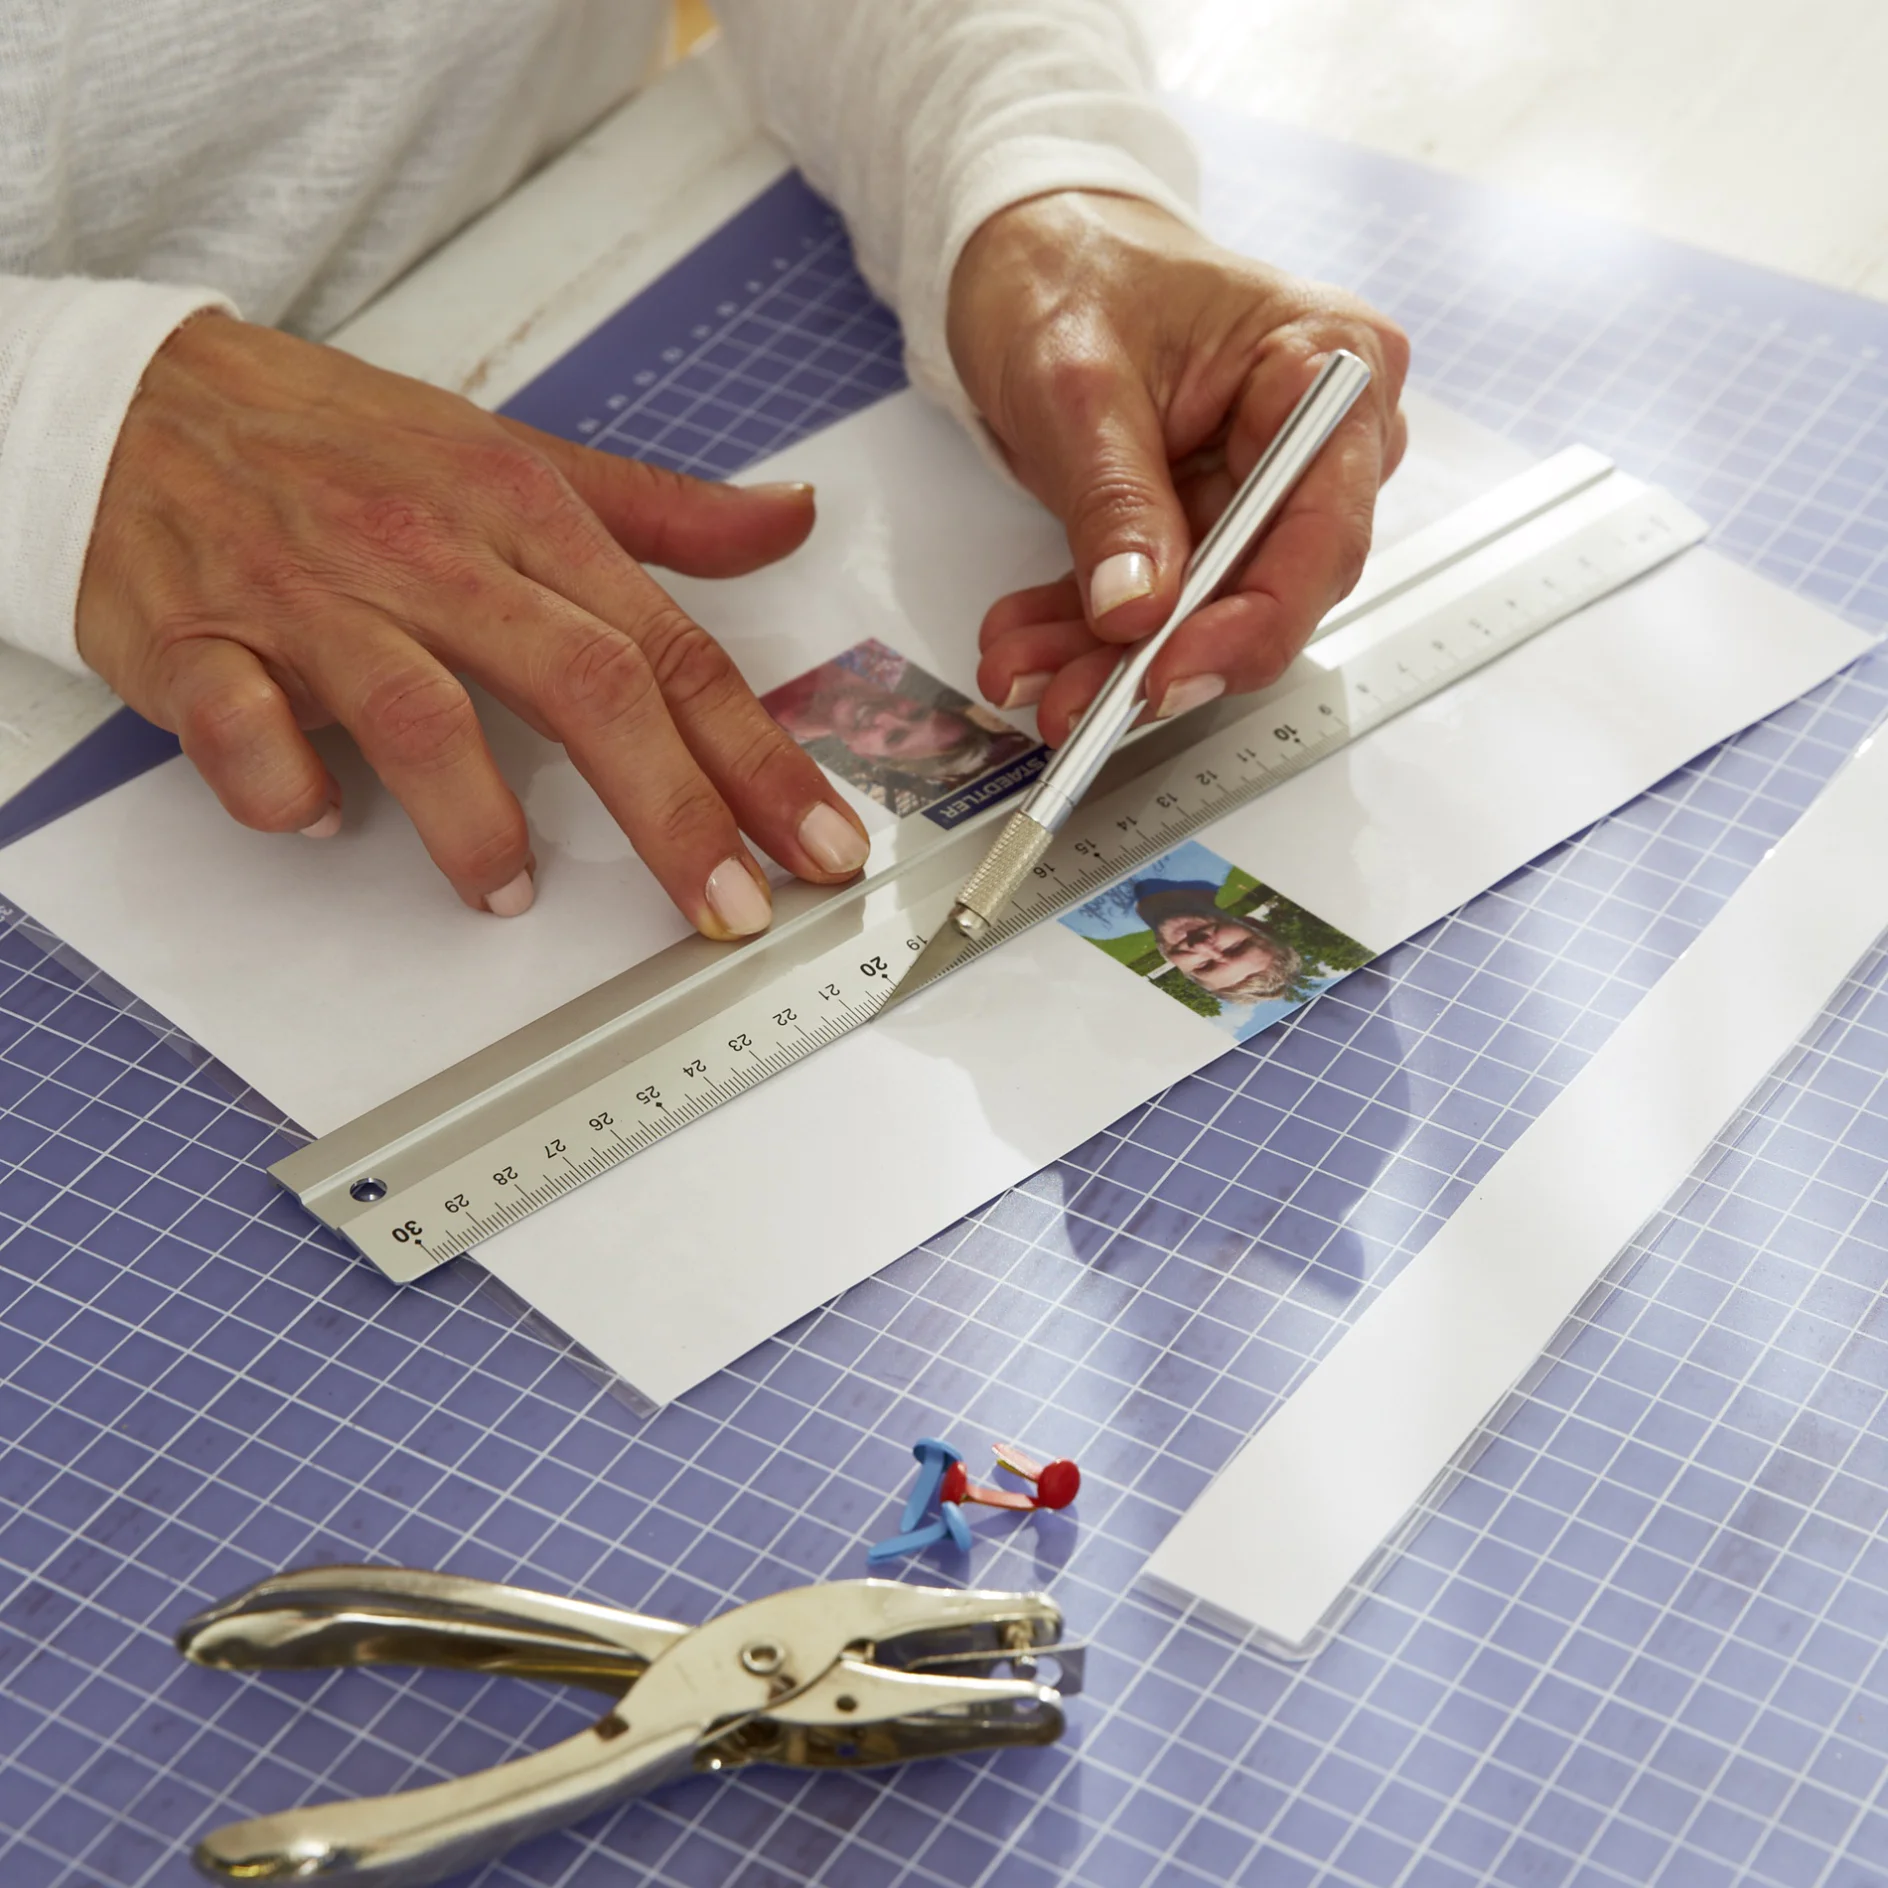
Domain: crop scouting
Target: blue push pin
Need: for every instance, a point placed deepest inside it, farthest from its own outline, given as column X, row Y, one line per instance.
column 955, row 1525
column 916, row 1533
column 912, row 1541
column 934, row 1457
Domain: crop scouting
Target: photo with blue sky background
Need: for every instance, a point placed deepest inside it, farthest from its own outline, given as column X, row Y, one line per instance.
column 1192, row 890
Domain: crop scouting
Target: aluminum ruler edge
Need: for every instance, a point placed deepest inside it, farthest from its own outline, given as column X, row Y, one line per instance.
column 472, row 1151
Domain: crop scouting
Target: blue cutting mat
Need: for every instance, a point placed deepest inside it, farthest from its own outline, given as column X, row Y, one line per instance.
column 1643, row 1641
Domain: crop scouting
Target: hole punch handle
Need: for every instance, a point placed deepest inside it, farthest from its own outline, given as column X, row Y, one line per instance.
column 319, row 1617
column 418, row 1836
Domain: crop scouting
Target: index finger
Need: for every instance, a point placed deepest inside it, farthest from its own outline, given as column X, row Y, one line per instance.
column 771, row 785
column 1306, row 563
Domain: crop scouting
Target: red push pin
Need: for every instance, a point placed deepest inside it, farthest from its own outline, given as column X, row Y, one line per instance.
column 957, row 1486
column 1057, row 1483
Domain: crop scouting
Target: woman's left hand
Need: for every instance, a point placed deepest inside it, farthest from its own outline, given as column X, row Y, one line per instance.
column 1132, row 371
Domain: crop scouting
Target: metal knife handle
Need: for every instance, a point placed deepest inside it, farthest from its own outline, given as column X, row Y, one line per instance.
column 1217, row 560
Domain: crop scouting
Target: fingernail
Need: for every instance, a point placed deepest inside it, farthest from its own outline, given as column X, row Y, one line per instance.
column 1119, row 579
column 781, row 488
column 513, row 900
column 326, row 826
column 835, row 843
column 1029, row 689
column 738, row 900
column 1194, row 692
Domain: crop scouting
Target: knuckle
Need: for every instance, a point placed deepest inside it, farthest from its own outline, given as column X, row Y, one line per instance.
column 690, row 667
column 1347, row 535
column 1397, row 442
column 1352, row 551
column 603, row 678
column 411, row 536
column 491, row 856
column 267, row 783
column 686, row 812
column 1080, row 376
column 1114, row 503
column 278, row 801
column 522, row 480
column 223, row 720
column 1335, row 319
column 1392, row 345
column 400, row 525
column 762, row 751
column 284, row 582
column 640, row 479
column 419, row 718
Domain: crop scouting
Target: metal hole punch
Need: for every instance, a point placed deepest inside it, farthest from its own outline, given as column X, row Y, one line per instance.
column 850, row 1674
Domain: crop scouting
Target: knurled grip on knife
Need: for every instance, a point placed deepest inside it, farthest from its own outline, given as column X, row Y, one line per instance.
column 1020, row 844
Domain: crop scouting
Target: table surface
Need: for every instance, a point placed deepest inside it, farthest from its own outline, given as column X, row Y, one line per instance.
column 1749, row 127
column 1641, row 1640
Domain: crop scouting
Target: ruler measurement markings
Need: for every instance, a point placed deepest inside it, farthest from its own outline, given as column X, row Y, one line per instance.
column 487, row 1191
column 691, row 1059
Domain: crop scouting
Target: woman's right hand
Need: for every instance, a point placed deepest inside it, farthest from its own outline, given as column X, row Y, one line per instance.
column 288, row 538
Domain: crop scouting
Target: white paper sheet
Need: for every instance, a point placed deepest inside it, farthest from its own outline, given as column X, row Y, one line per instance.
column 1279, row 1535
column 334, row 976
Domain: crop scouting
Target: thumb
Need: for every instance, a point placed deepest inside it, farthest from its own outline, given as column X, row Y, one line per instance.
column 1097, row 458
column 698, row 526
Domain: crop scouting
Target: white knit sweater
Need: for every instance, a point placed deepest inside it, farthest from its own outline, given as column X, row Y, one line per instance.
column 288, row 158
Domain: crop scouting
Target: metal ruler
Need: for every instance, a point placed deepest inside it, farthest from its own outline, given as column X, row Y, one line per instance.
column 474, row 1150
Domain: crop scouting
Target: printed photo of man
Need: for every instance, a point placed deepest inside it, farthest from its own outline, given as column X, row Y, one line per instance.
column 1217, row 940
column 1234, row 959
column 898, row 734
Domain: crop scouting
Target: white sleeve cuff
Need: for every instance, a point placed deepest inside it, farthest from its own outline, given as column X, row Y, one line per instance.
column 924, row 118
column 72, row 352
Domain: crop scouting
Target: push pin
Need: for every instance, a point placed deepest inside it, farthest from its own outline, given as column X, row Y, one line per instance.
column 937, row 1463
column 1057, row 1483
column 958, row 1486
column 934, row 1458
